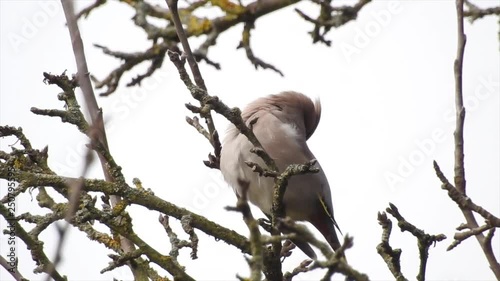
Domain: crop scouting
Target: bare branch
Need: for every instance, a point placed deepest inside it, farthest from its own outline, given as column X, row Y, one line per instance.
column 465, row 203
column 234, row 14
column 213, row 103
column 12, row 270
column 329, row 17
column 425, row 241
column 461, row 236
column 459, row 103
column 202, row 52
column 176, row 243
column 261, row 171
column 467, row 207
column 98, row 136
column 198, row 78
column 86, row 11
column 245, row 44
column 121, row 260
column 390, row 256
column 257, row 260
column 303, row 233
column 18, row 133
column 302, row 267
column 35, row 246
column 337, row 263
column 156, row 54
column 193, row 238
column 281, row 183
column 76, row 189
column 135, row 196
column 474, row 12
column 457, row 192
column 172, row 4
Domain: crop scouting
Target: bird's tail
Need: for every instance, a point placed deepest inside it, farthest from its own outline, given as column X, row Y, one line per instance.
column 327, row 228
column 305, row 247
column 332, row 237
column 326, row 225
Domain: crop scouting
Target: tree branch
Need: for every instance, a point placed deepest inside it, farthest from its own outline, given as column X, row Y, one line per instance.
column 36, row 247
column 98, row 133
column 245, row 44
column 457, row 192
column 392, row 257
column 425, row 241
column 474, row 12
column 233, row 14
column 329, row 17
column 257, row 260
column 13, row 271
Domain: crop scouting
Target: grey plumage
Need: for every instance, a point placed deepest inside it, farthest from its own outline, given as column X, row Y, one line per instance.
column 283, row 123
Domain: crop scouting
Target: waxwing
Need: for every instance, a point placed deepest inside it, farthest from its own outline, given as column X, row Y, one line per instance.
column 282, row 123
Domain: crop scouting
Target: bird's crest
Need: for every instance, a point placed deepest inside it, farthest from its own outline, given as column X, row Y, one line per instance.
column 293, row 102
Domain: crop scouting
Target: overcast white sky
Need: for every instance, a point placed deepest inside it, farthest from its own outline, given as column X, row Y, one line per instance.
column 386, row 87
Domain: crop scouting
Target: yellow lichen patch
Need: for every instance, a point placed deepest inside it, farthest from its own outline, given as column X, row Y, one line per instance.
column 197, row 26
column 109, row 242
column 228, row 6
column 137, row 182
column 245, row 38
column 18, row 163
column 116, row 240
column 119, row 207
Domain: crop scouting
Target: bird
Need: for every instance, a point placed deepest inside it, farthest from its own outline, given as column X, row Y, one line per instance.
column 282, row 123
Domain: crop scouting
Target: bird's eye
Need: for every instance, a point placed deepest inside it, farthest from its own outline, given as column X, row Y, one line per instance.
column 279, row 107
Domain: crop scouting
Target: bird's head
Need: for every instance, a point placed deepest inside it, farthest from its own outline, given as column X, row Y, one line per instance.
column 290, row 107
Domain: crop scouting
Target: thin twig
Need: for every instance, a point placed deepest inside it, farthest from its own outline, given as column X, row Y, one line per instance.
column 35, row 246
column 198, row 78
column 425, row 241
column 86, row 11
column 392, row 257
column 467, row 206
column 256, row 262
column 461, row 236
column 76, row 189
column 176, row 243
column 329, row 17
column 458, row 191
column 172, row 4
column 302, row 267
column 459, row 103
column 12, row 270
column 213, row 103
column 95, row 112
column 245, row 44
column 474, row 12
